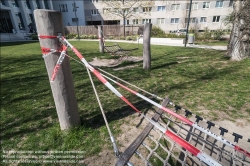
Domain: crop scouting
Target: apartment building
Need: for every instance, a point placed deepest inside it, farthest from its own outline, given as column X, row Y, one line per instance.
column 167, row 14
column 16, row 15
column 73, row 12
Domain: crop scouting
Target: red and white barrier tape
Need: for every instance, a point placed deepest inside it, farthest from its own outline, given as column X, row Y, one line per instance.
column 193, row 150
column 205, row 158
column 187, row 121
column 59, row 62
column 99, row 76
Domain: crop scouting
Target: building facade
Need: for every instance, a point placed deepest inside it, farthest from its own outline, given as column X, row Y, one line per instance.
column 17, row 15
column 169, row 15
column 73, row 12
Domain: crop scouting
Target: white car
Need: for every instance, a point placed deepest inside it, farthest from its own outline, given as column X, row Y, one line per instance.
column 182, row 31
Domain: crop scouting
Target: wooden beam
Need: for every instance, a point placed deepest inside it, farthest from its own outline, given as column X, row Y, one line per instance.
column 128, row 153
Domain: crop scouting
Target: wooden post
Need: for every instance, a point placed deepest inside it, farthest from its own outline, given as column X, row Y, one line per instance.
column 100, row 36
column 49, row 23
column 146, row 46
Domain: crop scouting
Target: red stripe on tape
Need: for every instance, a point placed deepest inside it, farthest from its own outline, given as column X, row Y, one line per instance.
column 77, row 53
column 183, row 143
column 99, row 76
column 55, row 71
column 187, row 121
column 130, row 104
column 242, row 150
column 47, row 37
column 45, row 50
column 128, row 89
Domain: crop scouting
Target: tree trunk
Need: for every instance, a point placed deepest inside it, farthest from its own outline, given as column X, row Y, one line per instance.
column 146, row 46
column 239, row 43
column 49, row 23
column 124, row 27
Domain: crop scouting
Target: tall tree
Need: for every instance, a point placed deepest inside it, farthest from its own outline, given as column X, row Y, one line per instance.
column 127, row 9
column 239, row 43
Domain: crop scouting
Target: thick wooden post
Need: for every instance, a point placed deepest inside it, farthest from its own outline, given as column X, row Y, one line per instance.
column 100, row 36
column 49, row 23
column 146, row 46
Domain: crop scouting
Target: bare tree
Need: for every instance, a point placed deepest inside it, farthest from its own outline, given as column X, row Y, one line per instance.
column 127, row 9
column 239, row 43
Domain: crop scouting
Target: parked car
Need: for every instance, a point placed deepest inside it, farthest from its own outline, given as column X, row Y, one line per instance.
column 181, row 31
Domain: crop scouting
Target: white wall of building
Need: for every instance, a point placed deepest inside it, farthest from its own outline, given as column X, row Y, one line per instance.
column 25, row 11
column 68, row 14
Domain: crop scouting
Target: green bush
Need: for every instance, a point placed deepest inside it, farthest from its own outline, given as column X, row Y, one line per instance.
column 217, row 34
column 34, row 37
column 129, row 38
column 76, row 37
column 122, row 38
column 207, row 35
column 84, row 36
column 173, row 35
column 157, row 32
column 91, row 36
column 70, row 36
column 134, row 38
column 111, row 37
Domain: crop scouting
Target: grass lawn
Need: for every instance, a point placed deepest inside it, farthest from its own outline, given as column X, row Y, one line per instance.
column 213, row 43
column 203, row 81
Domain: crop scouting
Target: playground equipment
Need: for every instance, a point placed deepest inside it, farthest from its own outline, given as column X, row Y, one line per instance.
column 171, row 136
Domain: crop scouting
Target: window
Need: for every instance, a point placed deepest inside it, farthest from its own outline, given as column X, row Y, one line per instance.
column 174, row 20
column 231, row 3
column 135, row 21
column 115, row 10
column 27, row 4
column 216, row 19
column 147, row 9
column 175, row 7
column 63, row 8
column 94, row 12
column 93, row 1
column 194, row 6
column 192, row 20
column 160, row 20
column 46, row 4
column 219, row 4
column 161, row 8
column 15, row 3
column 20, row 21
column 2, row 1
column 126, row 22
column 146, row 21
column 206, row 5
column 125, row 10
column 106, row 10
column 31, row 18
column 74, row 19
column 135, row 9
column 38, row 4
column 203, row 19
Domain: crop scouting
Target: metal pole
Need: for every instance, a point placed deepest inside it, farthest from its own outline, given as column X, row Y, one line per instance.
column 75, row 9
column 190, row 5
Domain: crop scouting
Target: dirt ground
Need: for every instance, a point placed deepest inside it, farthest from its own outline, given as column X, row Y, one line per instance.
column 131, row 130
